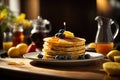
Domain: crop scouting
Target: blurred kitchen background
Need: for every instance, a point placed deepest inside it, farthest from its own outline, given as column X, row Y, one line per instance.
column 79, row 15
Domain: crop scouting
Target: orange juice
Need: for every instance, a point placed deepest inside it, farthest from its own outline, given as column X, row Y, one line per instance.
column 104, row 48
column 7, row 45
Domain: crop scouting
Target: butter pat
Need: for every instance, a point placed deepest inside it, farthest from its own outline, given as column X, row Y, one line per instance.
column 68, row 34
column 15, row 63
column 12, row 63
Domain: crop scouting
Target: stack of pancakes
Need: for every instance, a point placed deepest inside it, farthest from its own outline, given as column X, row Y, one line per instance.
column 73, row 47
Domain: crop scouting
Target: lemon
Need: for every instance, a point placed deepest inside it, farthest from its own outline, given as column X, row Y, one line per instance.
column 13, row 52
column 111, row 68
column 117, row 58
column 22, row 48
column 113, row 53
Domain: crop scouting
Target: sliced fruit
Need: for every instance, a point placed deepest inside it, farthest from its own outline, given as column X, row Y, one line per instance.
column 13, row 52
column 91, row 45
column 113, row 53
column 112, row 68
column 117, row 58
column 68, row 34
column 31, row 48
column 22, row 48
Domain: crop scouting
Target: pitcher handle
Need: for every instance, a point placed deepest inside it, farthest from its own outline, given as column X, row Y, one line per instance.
column 47, row 27
column 117, row 29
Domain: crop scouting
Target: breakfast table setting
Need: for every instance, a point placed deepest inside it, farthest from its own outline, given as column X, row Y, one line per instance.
column 61, row 56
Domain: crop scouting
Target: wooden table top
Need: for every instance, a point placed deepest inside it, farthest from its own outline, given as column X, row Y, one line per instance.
column 23, row 66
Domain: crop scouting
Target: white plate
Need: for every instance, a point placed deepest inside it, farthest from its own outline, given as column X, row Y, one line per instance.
column 94, row 57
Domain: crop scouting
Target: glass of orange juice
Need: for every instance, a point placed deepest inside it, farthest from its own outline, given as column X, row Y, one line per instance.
column 7, row 45
column 7, row 39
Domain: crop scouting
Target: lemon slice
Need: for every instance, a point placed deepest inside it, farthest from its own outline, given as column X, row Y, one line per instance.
column 69, row 34
column 112, row 68
column 113, row 53
column 91, row 45
column 117, row 58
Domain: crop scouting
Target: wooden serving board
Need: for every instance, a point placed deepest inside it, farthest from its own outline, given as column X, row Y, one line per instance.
column 27, row 66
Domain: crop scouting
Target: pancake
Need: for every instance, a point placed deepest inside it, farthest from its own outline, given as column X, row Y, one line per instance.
column 51, row 52
column 46, row 56
column 76, row 41
column 64, row 48
column 65, row 45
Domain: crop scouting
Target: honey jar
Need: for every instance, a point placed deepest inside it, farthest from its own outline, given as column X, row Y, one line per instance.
column 18, row 35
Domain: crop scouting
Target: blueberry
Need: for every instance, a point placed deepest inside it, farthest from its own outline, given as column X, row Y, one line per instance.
column 57, row 35
column 60, row 35
column 68, row 57
column 61, row 30
column 81, row 57
column 40, row 55
column 58, row 57
column 87, row 56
